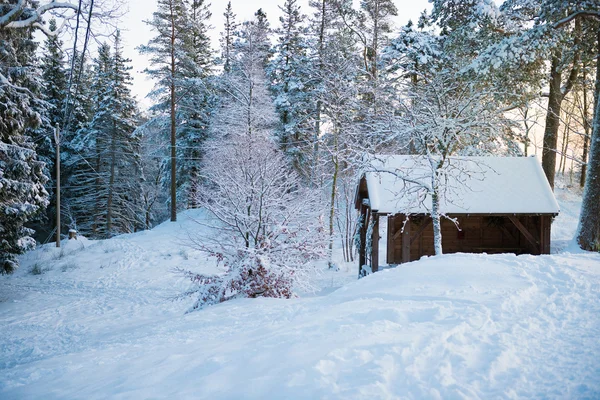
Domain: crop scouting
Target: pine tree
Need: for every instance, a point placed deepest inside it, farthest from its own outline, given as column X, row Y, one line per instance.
column 227, row 37
column 195, row 106
column 246, row 108
column 170, row 66
column 262, row 32
column 54, row 76
column 55, row 86
column 22, row 193
column 77, row 146
column 89, row 172
column 291, row 83
column 109, row 180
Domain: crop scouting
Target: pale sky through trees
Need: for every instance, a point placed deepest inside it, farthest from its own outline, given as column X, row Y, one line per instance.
column 137, row 33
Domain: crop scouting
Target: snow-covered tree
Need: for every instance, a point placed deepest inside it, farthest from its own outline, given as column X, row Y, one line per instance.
column 445, row 117
column 110, row 150
column 291, row 83
column 246, row 105
column 22, row 193
column 54, row 76
column 263, row 226
column 154, row 151
column 170, row 61
column 182, row 64
column 227, row 37
column 340, row 99
column 541, row 37
column 588, row 235
column 54, row 80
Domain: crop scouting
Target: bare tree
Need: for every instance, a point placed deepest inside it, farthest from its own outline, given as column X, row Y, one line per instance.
column 261, row 224
column 445, row 117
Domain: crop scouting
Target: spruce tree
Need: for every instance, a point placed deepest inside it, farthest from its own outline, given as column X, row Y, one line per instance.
column 54, row 92
column 246, row 106
column 291, row 86
column 108, row 178
column 227, row 37
column 22, row 193
column 195, row 106
column 174, row 68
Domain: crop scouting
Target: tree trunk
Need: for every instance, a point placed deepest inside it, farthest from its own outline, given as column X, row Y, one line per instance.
column 319, row 102
column 435, row 214
column 99, row 188
column 111, row 183
column 527, row 129
column 586, row 136
column 173, row 126
column 565, row 145
column 589, row 222
column 555, row 98
column 332, row 208
column 437, row 226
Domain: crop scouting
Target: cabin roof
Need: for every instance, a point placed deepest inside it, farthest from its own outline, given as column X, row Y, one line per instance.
column 474, row 185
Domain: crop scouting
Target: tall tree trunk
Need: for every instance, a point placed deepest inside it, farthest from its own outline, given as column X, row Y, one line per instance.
column 249, row 109
column 435, row 211
column 565, row 144
column 336, row 167
column 99, row 188
column 589, row 222
column 555, row 99
column 173, row 126
column 586, row 137
column 111, row 183
column 319, row 102
column 527, row 129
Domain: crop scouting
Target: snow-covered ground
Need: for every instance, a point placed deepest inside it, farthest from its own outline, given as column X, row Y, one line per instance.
column 97, row 320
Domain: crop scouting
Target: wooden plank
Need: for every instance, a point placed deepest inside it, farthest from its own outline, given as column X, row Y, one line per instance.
column 391, row 223
column 524, row 232
column 541, row 235
column 548, row 230
column 424, row 226
column 545, row 224
column 375, row 244
column 406, row 242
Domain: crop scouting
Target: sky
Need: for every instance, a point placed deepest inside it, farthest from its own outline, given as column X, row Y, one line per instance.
column 136, row 32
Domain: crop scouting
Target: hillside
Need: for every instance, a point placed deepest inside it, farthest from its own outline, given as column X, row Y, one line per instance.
column 97, row 320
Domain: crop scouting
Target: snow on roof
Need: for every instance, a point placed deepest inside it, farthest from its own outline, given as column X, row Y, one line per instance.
column 472, row 185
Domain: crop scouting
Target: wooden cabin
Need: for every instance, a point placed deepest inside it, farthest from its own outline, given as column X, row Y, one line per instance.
column 498, row 204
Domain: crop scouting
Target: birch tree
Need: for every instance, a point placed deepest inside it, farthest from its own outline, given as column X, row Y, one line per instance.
column 445, row 117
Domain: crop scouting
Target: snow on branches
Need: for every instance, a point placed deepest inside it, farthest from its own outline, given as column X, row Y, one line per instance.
column 263, row 226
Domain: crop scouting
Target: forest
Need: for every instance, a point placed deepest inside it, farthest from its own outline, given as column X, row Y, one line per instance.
column 269, row 132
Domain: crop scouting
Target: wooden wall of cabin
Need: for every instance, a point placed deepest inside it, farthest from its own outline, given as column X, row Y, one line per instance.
column 477, row 234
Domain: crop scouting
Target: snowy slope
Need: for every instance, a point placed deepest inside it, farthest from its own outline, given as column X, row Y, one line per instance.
column 99, row 322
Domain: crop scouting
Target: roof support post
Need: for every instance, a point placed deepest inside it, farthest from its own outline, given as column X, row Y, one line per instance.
column 406, row 241
column 375, row 244
column 362, row 250
column 545, row 223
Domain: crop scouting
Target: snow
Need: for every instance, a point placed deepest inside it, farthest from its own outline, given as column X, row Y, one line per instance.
column 476, row 185
column 99, row 321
